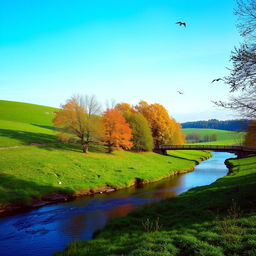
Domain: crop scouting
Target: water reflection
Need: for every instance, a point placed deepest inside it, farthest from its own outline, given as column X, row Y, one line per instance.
column 49, row 229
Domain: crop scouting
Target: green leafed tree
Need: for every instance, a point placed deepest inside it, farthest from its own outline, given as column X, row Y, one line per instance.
column 142, row 137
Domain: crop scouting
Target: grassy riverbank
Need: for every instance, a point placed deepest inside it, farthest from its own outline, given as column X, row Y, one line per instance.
column 218, row 219
column 28, row 173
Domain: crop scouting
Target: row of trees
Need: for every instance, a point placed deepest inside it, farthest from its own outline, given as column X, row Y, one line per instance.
column 196, row 137
column 210, row 137
column 229, row 125
column 122, row 127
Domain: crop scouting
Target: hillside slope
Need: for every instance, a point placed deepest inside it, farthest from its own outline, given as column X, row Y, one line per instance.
column 24, row 123
column 26, row 113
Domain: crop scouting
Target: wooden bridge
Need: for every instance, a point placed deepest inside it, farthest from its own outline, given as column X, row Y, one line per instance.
column 239, row 150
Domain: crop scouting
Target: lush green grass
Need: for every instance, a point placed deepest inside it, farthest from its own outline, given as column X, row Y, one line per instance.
column 26, row 113
column 34, row 171
column 216, row 220
column 18, row 133
column 23, row 123
column 223, row 137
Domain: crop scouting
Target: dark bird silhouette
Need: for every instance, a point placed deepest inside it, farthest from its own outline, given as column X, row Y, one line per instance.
column 181, row 23
column 180, row 92
column 216, row 80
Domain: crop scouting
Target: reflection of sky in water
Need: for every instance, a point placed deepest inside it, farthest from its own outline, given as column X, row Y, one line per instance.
column 50, row 228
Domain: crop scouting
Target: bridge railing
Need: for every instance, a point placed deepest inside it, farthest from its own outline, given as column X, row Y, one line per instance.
column 207, row 147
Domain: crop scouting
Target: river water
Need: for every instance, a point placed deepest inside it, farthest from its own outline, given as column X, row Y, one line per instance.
column 48, row 229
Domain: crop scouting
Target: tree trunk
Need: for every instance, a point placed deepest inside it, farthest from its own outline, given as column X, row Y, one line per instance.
column 85, row 148
column 84, row 145
column 110, row 148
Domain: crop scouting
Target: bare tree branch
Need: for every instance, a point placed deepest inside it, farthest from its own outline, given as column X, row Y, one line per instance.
column 242, row 76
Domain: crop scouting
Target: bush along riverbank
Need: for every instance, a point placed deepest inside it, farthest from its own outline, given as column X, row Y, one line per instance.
column 33, row 176
column 218, row 219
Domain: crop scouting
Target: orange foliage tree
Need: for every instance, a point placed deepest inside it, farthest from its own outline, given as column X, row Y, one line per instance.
column 79, row 117
column 250, row 138
column 165, row 130
column 117, row 133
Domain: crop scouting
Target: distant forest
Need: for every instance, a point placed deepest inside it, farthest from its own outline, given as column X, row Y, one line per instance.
column 228, row 125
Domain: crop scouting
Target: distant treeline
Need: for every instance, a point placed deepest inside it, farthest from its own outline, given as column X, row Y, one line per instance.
column 228, row 125
column 196, row 137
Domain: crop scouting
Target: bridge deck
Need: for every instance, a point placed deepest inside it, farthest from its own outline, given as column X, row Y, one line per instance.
column 209, row 147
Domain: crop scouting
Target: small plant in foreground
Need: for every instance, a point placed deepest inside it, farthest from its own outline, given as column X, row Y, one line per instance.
column 229, row 225
column 151, row 226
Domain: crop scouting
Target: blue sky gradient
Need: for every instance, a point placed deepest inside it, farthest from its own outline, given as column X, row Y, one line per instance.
column 122, row 50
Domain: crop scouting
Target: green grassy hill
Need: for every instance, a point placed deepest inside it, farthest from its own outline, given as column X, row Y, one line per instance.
column 223, row 137
column 24, row 123
column 26, row 113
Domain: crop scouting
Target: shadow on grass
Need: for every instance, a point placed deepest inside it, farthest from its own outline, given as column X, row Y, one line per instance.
column 48, row 141
column 47, row 127
column 28, row 137
column 184, row 158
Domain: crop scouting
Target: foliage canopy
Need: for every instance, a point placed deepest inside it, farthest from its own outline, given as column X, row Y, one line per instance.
column 79, row 116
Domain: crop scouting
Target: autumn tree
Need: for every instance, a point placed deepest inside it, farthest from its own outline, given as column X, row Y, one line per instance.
column 80, row 117
column 250, row 138
column 117, row 133
column 165, row 130
column 124, row 108
column 176, row 135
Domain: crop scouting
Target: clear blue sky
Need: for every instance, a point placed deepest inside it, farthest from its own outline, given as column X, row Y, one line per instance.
column 124, row 50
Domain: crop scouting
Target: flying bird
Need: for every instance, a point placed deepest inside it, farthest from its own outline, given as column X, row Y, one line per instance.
column 180, row 92
column 216, row 80
column 181, row 23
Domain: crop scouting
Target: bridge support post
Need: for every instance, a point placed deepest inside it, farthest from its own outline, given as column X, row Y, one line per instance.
column 160, row 151
column 242, row 154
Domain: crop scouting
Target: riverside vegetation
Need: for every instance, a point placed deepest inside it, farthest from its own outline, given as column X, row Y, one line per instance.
column 218, row 219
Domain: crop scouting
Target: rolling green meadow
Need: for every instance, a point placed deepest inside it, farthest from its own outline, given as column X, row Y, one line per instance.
column 33, row 163
column 223, row 137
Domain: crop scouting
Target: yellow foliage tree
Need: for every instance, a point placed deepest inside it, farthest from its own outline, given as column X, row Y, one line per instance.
column 124, row 108
column 79, row 116
column 165, row 130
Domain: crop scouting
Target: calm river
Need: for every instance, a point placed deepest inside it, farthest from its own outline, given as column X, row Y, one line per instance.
column 48, row 229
